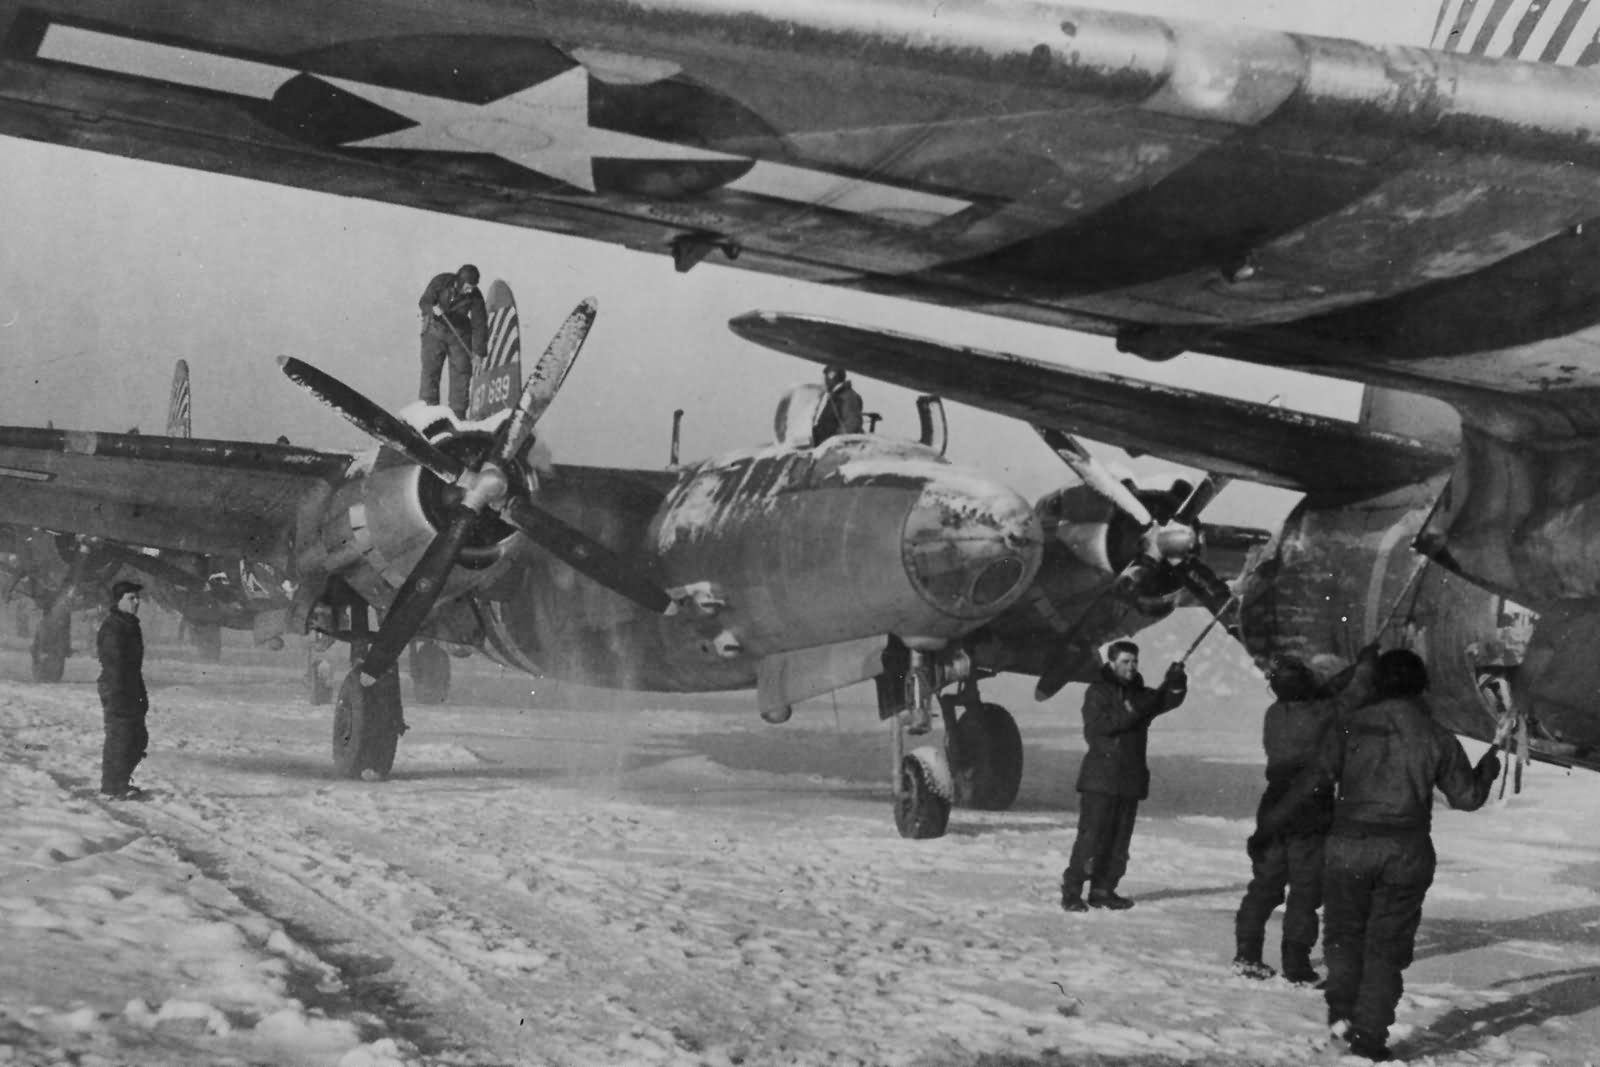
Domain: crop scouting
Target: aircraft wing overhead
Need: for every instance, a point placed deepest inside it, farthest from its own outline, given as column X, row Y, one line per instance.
column 231, row 498
column 1391, row 214
column 1258, row 442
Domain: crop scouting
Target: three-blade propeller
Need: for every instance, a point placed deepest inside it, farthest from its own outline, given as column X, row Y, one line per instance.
column 486, row 487
column 1171, row 547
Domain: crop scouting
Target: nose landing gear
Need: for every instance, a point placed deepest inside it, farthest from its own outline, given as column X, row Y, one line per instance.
column 979, row 766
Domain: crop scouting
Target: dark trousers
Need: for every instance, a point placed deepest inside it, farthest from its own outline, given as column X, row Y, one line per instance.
column 125, row 744
column 437, row 349
column 1372, row 896
column 1292, row 862
column 1100, row 851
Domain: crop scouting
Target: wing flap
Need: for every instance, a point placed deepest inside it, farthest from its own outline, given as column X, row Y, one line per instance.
column 1265, row 444
column 232, row 498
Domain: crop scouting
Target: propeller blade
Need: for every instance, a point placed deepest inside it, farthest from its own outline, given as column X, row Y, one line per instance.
column 1189, row 511
column 1094, row 474
column 545, row 380
column 1206, row 586
column 371, row 419
column 584, row 554
column 1073, row 646
column 417, row 596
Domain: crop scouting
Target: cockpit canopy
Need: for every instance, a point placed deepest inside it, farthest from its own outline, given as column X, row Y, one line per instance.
column 797, row 414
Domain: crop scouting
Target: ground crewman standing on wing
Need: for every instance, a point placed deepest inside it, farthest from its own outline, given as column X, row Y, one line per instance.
column 1117, row 712
column 1292, row 860
column 123, row 700
column 1386, row 758
column 455, row 329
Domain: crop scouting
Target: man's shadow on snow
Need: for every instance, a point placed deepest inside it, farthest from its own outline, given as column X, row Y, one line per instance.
column 1543, row 996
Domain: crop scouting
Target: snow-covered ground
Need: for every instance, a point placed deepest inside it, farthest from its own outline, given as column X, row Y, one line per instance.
column 574, row 877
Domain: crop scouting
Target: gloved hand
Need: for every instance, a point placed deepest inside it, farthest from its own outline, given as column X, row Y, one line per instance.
column 1368, row 652
column 1177, row 675
column 438, row 312
column 1256, row 846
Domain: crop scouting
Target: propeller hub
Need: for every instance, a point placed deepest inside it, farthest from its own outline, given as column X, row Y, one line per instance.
column 1174, row 541
column 486, row 487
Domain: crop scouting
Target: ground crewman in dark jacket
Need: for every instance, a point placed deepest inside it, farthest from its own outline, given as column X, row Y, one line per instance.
column 453, row 312
column 1386, row 759
column 841, row 407
column 1117, row 712
column 123, row 699
column 1292, row 859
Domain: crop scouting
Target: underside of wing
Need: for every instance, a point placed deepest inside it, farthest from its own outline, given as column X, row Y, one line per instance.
column 227, row 498
column 1258, row 442
column 1415, row 218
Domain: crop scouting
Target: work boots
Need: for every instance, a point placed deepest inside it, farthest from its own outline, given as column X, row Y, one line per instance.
column 1297, row 965
column 1072, row 896
column 1247, row 962
column 1107, row 898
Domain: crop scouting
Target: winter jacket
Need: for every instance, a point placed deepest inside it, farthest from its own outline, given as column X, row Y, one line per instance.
column 1116, row 724
column 840, row 413
column 1387, row 758
column 120, row 644
column 1291, row 732
column 465, row 311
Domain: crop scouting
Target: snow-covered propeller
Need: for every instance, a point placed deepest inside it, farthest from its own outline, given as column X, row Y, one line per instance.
column 486, row 487
column 1169, row 548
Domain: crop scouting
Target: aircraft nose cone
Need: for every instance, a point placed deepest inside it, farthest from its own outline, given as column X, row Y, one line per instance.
column 971, row 545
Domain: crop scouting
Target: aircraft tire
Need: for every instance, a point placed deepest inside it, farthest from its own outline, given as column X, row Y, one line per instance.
column 987, row 749
column 207, row 638
column 48, row 667
column 920, row 812
column 366, row 726
column 318, row 690
column 430, row 672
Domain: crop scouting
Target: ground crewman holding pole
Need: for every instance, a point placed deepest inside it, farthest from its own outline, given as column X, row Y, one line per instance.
column 455, row 329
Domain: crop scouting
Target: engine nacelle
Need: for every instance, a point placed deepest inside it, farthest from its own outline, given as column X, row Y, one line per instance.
column 1103, row 536
column 375, row 525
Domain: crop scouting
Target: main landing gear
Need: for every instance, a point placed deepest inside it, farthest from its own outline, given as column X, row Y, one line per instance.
column 368, row 718
column 980, row 764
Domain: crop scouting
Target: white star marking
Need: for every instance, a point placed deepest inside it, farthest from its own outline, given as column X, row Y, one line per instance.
column 544, row 128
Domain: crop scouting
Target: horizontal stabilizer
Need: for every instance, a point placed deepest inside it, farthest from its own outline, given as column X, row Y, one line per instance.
column 1257, row 442
column 231, row 498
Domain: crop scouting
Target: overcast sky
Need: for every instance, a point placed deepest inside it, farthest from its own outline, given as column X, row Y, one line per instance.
column 112, row 269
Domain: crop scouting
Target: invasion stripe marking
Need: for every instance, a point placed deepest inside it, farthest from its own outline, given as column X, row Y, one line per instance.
column 1549, row 22
column 1583, row 36
column 1500, row 43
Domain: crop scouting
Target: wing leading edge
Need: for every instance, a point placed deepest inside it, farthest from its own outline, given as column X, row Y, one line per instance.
column 1265, row 444
column 233, row 498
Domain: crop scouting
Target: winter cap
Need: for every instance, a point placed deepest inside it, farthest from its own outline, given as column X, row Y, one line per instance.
column 468, row 273
column 122, row 589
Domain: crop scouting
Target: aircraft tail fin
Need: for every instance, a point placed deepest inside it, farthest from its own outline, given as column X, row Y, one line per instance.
column 497, row 379
column 1564, row 32
column 1420, row 418
column 178, row 405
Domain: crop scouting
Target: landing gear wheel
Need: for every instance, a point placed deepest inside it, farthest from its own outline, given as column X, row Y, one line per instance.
column 986, row 756
column 319, row 679
column 52, row 644
column 920, row 811
column 48, row 667
column 430, row 672
column 366, row 725
column 207, row 640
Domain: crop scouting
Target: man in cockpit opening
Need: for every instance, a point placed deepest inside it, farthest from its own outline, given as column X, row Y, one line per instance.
column 841, row 407
column 454, row 317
